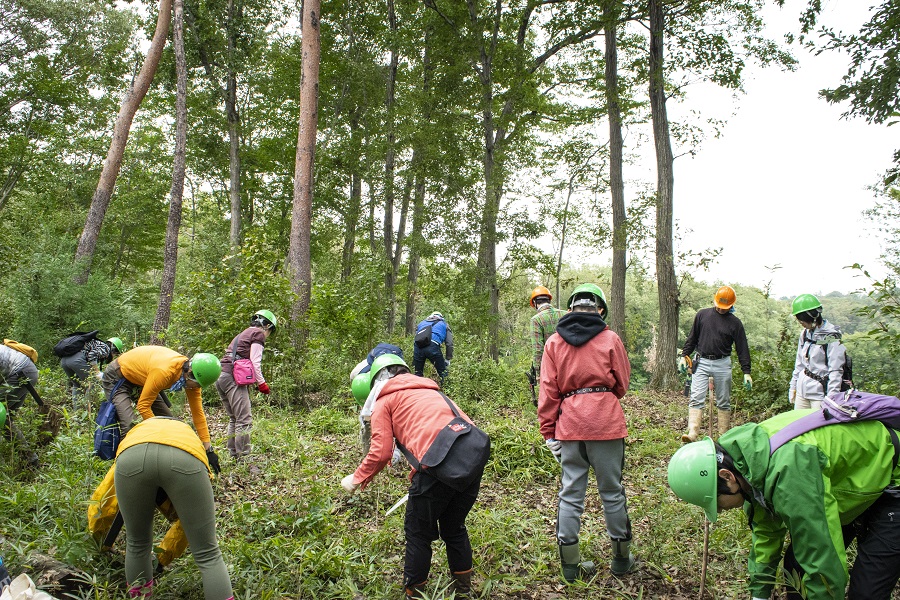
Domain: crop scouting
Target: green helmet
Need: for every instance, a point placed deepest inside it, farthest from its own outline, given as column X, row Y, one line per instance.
column 2, row 415
column 589, row 288
column 361, row 386
column 803, row 303
column 206, row 368
column 693, row 474
column 385, row 360
column 266, row 317
column 117, row 343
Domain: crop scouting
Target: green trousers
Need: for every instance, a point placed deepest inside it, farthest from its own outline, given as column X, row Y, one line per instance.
column 140, row 470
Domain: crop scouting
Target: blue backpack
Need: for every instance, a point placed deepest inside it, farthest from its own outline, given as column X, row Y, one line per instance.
column 846, row 407
column 107, row 434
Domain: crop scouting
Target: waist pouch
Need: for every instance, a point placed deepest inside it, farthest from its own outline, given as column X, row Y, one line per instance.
column 457, row 455
column 243, row 371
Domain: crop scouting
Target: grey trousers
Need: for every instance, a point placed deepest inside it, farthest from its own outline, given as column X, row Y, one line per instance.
column 236, row 400
column 78, row 370
column 140, row 471
column 607, row 458
column 720, row 371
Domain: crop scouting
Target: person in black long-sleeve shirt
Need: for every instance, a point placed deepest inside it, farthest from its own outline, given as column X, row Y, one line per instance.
column 714, row 332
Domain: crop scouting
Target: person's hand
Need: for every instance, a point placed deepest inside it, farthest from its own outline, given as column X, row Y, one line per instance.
column 99, row 375
column 348, row 485
column 263, row 388
column 555, row 447
column 792, row 396
column 682, row 365
column 447, row 362
column 213, row 460
column 748, row 382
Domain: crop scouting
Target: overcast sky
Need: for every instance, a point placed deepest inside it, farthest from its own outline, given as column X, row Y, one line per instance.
column 787, row 182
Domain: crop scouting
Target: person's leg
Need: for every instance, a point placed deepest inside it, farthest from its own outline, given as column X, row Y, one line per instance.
column 421, row 527
column 121, row 399
column 721, row 374
column 243, row 419
column 136, row 485
column 877, row 568
column 186, row 481
column 436, row 356
column 575, row 468
column 418, row 360
column 452, row 526
column 160, row 406
column 72, row 384
column 607, row 457
column 224, row 384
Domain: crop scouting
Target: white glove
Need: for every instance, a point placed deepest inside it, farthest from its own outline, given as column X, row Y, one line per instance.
column 397, row 457
column 99, row 375
column 555, row 447
column 347, row 484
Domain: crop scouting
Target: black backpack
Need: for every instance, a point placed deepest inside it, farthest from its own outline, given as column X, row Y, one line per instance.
column 73, row 343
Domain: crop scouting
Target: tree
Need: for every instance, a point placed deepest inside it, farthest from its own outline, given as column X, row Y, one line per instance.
column 84, row 255
column 167, row 285
column 301, row 216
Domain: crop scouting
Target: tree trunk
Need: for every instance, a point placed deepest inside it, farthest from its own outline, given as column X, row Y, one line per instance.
column 170, row 261
column 87, row 244
column 398, row 252
column 234, row 139
column 664, row 376
column 301, row 216
column 415, row 247
column 616, row 182
column 389, row 173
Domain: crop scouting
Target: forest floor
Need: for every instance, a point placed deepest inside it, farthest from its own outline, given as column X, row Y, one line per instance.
column 288, row 530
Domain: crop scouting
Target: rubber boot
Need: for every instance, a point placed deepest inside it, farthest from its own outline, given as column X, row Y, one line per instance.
column 416, row 592
column 724, row 421
column 695, row 416
column 623, row 560
column 572, row 566
column 462, row 583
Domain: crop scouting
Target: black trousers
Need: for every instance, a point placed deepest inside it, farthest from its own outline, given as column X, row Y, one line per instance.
column 436, row 510
column 877, row 568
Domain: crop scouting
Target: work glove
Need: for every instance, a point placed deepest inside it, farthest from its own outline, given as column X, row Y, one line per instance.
column 213, row 460
column 555, row 447
column 347, row 484
column 748, row 382
column 99, row 375
column 682, row 365
column 263, row 388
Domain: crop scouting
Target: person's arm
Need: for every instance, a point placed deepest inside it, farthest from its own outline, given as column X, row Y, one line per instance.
column 157, row 380
column 621, row 367
column 448, row 343
column 256, row 352
column 537, row 345
column 837, row 355
column 742, row 348
column 798, row 368
column 549, row 400
column 198, row 416
column 765, row 552
column 690, row 344
column 381, row 449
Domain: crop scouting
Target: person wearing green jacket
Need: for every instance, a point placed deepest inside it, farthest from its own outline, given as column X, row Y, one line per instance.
column 824, row 488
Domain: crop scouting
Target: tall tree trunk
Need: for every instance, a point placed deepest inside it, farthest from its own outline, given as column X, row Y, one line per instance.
column 616, row 182
column 664, row 376
column 415, row 248
column 398, row 251
column 389, row 173
column 301, row 215
column 167, row 285
column 87, row 244
column 234, row 138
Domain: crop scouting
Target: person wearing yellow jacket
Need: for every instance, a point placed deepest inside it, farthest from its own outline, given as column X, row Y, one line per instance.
column 152, row 370
column 165, row 454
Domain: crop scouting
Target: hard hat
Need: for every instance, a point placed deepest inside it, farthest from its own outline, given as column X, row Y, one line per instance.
column 803, row 303
column 266, row 317
column 436, row 314
column 725, row 297
column 206, row 368
column 599, row 299
column 117, row 343
column 538, row 292
column 360, row 387
column 385, row 360
column 693, row 474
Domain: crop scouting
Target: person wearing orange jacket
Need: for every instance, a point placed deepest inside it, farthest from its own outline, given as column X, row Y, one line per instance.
column 413, row 410
column 585, row 373
column 150, row 370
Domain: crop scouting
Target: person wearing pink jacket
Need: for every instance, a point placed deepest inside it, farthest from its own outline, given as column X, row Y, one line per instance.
column 584, row 372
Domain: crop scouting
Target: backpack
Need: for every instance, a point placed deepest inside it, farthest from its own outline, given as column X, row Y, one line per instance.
column 73, row 343
column 423, row 337
column 23, row 348
column 847, row 372
column 107, row 434
column 848, row 407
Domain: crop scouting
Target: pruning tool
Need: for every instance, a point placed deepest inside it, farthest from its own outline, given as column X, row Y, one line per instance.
column 397, row 504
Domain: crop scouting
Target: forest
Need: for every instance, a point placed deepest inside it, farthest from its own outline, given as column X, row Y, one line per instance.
column 169, row 168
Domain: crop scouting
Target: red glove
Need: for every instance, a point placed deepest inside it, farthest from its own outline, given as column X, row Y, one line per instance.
column 263, row 388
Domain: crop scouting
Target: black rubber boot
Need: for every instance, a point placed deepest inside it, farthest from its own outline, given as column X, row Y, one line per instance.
column 462, row 584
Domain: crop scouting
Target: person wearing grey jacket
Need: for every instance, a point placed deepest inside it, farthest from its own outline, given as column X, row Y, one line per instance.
column 819, row 365
column 18, row 375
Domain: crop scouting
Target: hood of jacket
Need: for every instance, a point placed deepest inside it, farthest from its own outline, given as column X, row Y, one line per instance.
column 824, row 331
column 578, row 328
column 748, row 446
column 407, row 381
